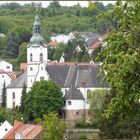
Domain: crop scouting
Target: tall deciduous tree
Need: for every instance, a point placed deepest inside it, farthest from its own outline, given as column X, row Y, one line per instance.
column 122, row 64
column 44, row 97
column 3, row 104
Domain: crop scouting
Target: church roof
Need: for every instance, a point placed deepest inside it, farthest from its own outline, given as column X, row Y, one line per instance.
column 67, row 75
column 73, row 94
column 19, row 82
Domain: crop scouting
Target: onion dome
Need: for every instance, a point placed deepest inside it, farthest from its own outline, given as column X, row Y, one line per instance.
column 36, row 39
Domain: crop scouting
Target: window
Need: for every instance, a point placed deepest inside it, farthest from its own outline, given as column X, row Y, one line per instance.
column 31, row 57
column 31, row 81
column 6, row 129
column 2, row 76
column 41, row 68
column 41, row 78
column 41, row 57
column 31, row 68
column 8, row 67
column 13, row 95
column 13, row 104
column 69, row 102
column 77, row 113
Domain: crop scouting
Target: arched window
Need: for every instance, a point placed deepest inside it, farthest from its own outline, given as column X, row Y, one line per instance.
column 13, row 95
column 41, row 57
column 31, row 57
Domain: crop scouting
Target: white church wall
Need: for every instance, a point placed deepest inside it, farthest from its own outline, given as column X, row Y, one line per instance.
column 36, row 51
column 42, row 73
column 11, row 100
column 6, row 66
column 7, row 79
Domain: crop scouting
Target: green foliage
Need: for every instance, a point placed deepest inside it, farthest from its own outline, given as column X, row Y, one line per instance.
column 10, row 115
column 122, row 64
column 23, row 97
column 3, row 104
column 16, row 22
column 95, row 53
column 84, row 124
column 22, row 55
column 58, row 52
column 82, row 137
column 11, row 48
column 44, row 97
column 96, row 99
column 54, row 127
column 76, row 49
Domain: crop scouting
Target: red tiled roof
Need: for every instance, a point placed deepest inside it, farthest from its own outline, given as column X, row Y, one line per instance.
column 28, row 131
column 71, row 63
column 95, row 44
column 11, row 133
column 53, row 44
column 12, row 75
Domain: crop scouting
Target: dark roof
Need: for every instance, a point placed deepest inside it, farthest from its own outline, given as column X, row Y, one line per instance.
column 66, row 75
column 73, row 94
column 19, row 82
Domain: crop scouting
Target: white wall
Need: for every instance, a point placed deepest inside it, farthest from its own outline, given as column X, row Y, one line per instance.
column 4, row 129
column 6, row 66
column 7, row 79
column 10, row 99
column 61, row 38
column 38, row 67
column 75, row 104
column 36, row 54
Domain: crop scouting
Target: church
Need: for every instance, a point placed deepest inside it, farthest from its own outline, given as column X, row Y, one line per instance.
column 75, row 79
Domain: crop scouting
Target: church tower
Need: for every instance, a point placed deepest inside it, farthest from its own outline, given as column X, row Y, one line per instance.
column 37, row 56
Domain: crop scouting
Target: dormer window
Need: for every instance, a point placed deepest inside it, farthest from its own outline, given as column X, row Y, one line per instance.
column 31, row 57
column 41, row 57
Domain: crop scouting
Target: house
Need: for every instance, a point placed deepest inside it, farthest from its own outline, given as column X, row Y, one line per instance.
column 60, row 38
column 24, row 131
column 74, row 79
column 6, row 77
column 53, row 44
column 5, row 128
column 6, row 66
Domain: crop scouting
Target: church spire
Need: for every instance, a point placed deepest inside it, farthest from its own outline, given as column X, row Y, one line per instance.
column 36, row 39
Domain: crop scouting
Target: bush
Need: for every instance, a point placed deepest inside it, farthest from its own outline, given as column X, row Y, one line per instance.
column 84, row 124
column 82, row 137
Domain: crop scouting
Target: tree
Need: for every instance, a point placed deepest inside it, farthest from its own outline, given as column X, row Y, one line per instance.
column 22, row 55
column 3, row 104
column 96, row 100
column 44, row 97
column 11, row 49
column 54, row 127
column 76, row 50
column 122, row 64
column 58, row 51
column 22, row 106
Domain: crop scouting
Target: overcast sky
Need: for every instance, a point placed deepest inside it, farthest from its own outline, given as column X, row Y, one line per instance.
column 63, row 3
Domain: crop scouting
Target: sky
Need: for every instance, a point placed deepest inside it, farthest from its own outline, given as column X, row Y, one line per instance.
column 63, row 3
